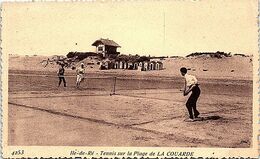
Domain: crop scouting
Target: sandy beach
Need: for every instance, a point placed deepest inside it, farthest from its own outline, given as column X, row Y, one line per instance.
column 147, row 109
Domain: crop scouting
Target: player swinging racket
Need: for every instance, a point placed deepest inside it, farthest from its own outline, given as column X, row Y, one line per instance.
column 80, row 74
column 61, row 75
column 191, row 85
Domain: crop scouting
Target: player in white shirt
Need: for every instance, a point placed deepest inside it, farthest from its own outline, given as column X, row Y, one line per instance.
column 80, row 74
column 191, row 85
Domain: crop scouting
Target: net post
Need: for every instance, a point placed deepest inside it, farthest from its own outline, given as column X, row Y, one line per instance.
column 114, row 88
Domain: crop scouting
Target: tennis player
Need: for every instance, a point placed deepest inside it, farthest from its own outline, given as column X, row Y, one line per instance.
column 191, row 85
column 80, row 74
column 60, row 73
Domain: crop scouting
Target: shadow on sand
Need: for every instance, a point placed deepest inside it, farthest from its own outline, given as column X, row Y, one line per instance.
column 214, row 117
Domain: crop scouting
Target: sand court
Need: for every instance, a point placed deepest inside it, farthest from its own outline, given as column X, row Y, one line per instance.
column 135, row 109
column 139, row 117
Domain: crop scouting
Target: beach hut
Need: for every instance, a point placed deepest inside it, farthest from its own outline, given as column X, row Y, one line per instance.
column 116, row 66
column 135, row 67
column 140, row 64
column 107, row 64
column 107, row 47
column 125, row 65
column 145, row 66
column 159, row 65
column 152, row 65
column 130, row 66
column 121, row 65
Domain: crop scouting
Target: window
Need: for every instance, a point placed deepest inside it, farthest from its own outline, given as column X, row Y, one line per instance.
column 100, row 48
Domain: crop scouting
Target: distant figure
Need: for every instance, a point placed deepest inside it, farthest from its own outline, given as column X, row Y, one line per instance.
column 145, row 66
column 80, row 74
column 191, row 85
column 60, row 73
column 139, row 68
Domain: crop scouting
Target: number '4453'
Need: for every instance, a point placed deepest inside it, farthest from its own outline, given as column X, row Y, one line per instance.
column 18, row 152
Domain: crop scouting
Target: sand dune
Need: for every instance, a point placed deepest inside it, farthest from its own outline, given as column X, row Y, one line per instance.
column 229, row 67
column 235, row 67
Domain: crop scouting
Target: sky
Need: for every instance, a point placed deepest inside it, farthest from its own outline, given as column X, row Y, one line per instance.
column 151, row 27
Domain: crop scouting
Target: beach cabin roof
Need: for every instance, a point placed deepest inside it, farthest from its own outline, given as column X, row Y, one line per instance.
column 105, row 42
column 152, row 62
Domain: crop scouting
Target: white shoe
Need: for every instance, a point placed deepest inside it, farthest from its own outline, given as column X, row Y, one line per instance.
column 189, row 120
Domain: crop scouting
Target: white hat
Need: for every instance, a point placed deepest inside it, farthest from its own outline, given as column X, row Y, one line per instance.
column 82, row 63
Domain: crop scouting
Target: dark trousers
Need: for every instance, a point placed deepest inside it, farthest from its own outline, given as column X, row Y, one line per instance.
column 191, row 103
column 62, row 79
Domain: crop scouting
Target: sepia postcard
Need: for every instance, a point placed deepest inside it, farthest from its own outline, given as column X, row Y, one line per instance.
column 144, row 78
